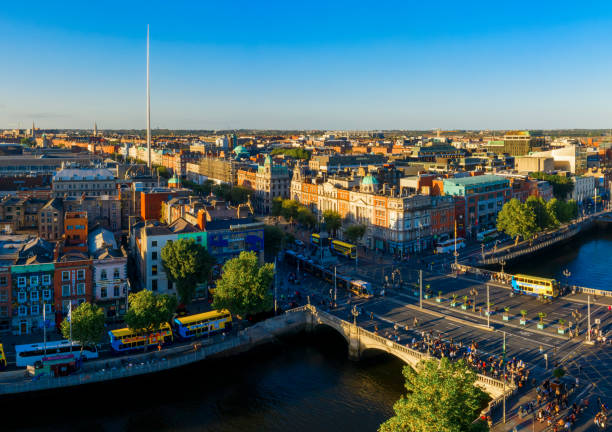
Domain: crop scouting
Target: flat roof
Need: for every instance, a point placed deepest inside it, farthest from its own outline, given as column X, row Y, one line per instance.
column 476, row 180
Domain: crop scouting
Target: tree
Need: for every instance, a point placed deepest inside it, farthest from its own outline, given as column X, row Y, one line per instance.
column 273, row 240
column 517, row 220
column 87, row 325
column 277, row 206
column 333, row 221
column 289, row 209
column 163, row 172
column 239, row 195
column 553, row 207
column 186, row 264
column 306, row 218
column 542, row 216
column 441, row 397
column 562, row 185
column 244, row 286
column 148, row 311
column 354, row 233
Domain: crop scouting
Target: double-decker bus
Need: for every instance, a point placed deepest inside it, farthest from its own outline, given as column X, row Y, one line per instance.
column 487, row 235
column 3, row 362
column 448, row 246
column 345, row 249
column 27, row 355
column 315, row 239
column 203, row 324
column 535, row 286
column 361, row 288
column 124, row 339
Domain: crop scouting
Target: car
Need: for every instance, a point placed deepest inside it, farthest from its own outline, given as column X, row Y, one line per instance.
column 299, row 242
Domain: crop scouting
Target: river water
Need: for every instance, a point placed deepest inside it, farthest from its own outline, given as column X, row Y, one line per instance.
column 301, row 384
column 588, row 259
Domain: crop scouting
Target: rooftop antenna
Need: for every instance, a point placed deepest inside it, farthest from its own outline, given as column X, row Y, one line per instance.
column 148, row 106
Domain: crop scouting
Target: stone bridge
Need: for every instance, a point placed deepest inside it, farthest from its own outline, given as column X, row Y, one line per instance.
column 359, row 340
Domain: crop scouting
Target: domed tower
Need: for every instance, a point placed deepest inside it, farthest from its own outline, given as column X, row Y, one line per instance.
column 369, row 184
column 298, row 172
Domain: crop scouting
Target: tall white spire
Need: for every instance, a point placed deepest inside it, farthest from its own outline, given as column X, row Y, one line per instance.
column 148, row 105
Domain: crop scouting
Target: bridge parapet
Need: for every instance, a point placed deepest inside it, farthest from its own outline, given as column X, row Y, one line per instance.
column 360, row 340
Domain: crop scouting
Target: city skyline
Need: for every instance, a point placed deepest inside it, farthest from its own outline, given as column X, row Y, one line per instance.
column 322, row 67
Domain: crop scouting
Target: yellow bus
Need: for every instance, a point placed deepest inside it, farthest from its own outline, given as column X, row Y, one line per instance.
column 203, row 324
column 535, row 285
column 126, row 339
column 3, row 362
column 345, row 249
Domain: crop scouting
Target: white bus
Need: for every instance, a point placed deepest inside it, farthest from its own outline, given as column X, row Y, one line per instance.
column 448, row 246
column 27, row 355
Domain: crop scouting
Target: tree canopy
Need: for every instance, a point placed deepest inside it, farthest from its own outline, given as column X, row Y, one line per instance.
column 148, row 311
column 333, row 220
column 441, row 397
column 87, row 324
column 244, row 286
column 562, row 185
column 354, row 233
column 186, row 264
column 517, row 220
column 543, row 217
column 296, row 153
column 306, row 218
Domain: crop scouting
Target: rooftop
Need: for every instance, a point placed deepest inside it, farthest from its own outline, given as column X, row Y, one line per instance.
column 475, row 180
column 67, row 174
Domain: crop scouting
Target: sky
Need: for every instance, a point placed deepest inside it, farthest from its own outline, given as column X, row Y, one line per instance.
column 307, row 65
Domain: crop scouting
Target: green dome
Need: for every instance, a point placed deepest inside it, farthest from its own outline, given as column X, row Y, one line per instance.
column 240, row 150
column 369, row 180
column 174, row 179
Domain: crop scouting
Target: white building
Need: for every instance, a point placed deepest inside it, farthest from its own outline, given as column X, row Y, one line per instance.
column 584, row 188
column 75, row 182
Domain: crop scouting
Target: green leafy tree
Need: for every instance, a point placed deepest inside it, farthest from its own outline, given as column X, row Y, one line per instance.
column 332, row 220
column 148, row 311
column 244, row 286
column 186, row 264
column 163, row 172
column 290, row 209
column 553, row 207
column 239, row 195
column 562, row 186
column 277, row 206
column 306, row 218
column 517, row 220
column 296, row 153
column 87, row 325
column 441, row 397
column 274, row 239
column 538, row 207
column 354, row 233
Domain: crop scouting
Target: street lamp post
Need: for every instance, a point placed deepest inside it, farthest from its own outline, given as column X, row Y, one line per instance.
column 335, row 287
column 355, row 314
column 421, row 289
column 502, row 263
column 567, row 274
column 488, row 309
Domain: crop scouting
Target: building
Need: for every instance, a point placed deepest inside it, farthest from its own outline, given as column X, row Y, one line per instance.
column 75, row 231
column 484, row 196
column 572, row 158
column 269, row 181
column 151, row 201
column 21, row 213
column 75, row 182
column 339, row 162
column 51, row 220
column 110, row 283
column 42, row 164
column 397, row 222
column 32, row 286
column 72, row 281
column 584, row 188
column 529, row 164
column 220, row 170
column 516, row 143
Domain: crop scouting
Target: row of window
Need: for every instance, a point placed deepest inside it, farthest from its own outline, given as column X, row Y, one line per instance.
column 116, row 273
column 22, row 296
column 35, row 309
column 116, row 291
column 44, row 280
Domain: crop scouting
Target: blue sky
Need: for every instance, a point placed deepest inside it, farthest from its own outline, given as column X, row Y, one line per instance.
column 319, row 65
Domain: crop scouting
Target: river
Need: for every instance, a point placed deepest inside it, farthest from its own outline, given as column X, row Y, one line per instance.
column 588, row 259
column 303, row 384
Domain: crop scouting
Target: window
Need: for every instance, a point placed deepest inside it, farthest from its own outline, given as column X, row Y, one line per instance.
column 154, row 256
column 47, row 294
column 103, row 292
column 46, row 279
column 33, row 280
column 65, row 276
column 35, row 309
column 23, row 311
column 80, row 274
column 3, row 280
column 66, row 305
column 154, row 285
column 21, row 296
column 80, row 289
column 3, row 295
column 65, row 290
column 117, row 273
column 116, row 291
column 154, row 243
column 103, row 275
column 34, row 295
column 21, row 281
column 199, row 239
column 48, row 308
column 154, row 270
